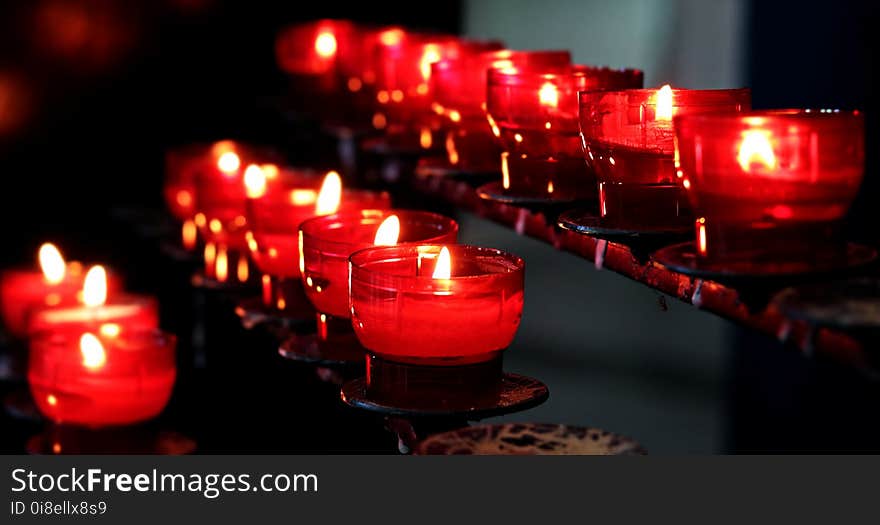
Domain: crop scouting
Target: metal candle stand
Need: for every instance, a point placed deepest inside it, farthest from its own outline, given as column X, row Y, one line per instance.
column 417, row 400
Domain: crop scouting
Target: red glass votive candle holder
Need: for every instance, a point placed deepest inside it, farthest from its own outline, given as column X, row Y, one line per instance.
column 277, row 206
column 56, row 284
column 458, row 90
column 94, row 380
column 534, row 114
column 221, row 206
column 434, row 329
column 403, row 63
column 771, row 186
column 327, row 242
column 628, row 141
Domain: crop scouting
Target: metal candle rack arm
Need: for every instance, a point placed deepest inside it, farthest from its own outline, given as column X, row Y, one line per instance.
column 710, row 296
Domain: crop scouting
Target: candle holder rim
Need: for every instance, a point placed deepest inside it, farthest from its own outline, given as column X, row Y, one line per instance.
column 780, row 115
column 357, row 260
column 448, row 224
column 643, row 95
column 530, row 76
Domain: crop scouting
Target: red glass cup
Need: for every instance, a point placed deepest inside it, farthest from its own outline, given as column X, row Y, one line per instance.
column 221, row 210
column 329, row 64
column 534, row 114
column 771, row 185
column 403, row 314
column 274, row 215
column 628, row 141
column 24, row 292
column 98, row 381
column 327, row 242
column 458, row 90
column 403, row 72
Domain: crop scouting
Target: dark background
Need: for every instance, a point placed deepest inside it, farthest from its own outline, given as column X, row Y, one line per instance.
column 93, row 91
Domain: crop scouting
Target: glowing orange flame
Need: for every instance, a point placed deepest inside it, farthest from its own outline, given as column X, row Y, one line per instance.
column 451, row 151
column 52, row 263
column 221, row 265
column 254, row 181
column 388, row 232
column 756, row 149
column 701, row 235
column 243, row 271
column 302, row 261
column 330, row 195
column 94, row 291
column 443, row 268
column 505, row 171
column 267, row 289
column 548, row 95
column 110, row 330
column 663, row 103
column 431, row 55
column 426, row 139
column 210, row 258
column 325, row 44
column 229, row 163
column 391, row 37
column 188, row 234
column 94, row 356
column 184, row 198
column 303, row 197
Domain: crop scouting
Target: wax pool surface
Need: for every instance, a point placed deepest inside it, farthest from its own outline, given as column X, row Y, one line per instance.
column 418, row 318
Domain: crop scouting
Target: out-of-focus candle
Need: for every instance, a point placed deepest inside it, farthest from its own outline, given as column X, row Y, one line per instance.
column 327, row 242
column 769, row 186
column 628, row 141
column 278, row 202
column 458, row 91
column 436, row 305
column 56, row 283
column 97, row 380
column 122, row 313
column 534, row 111
column 403, row 63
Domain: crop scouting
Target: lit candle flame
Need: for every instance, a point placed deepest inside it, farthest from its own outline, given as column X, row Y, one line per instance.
column 663, row 103
column 94, row 290
column 254, row 181
column 52, row 263
column 93, row 355
column 330, row 195
column 548, row 95
column 388, row 232
column 188, row 234
column 243, row 271
column 110, row 330
column 756, row 149
column 303, row 197
column 431, row 55
column 221, row 268
column 443, row 268
column 391, row 37
column 229, row 163
column 325, row 44
column 426, row 139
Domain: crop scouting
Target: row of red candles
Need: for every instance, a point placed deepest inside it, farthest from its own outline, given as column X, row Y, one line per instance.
column 565, row 132
column 542, row 122
column 96, row 355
